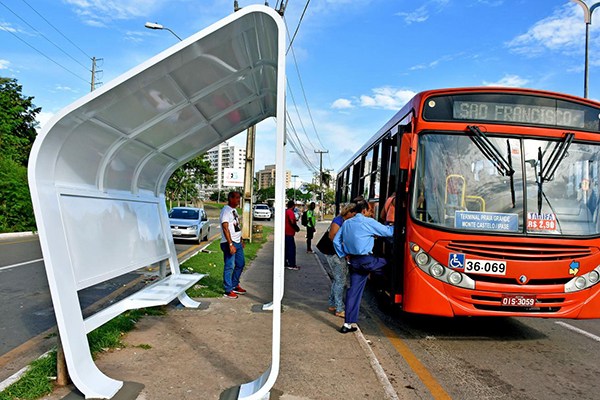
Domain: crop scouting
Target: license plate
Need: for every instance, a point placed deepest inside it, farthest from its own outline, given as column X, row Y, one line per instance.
column 518, row 300
column 176, row 233
column 489, row 267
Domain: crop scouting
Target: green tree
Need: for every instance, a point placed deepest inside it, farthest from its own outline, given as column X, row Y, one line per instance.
column 263, row 194
column 17, row 133
column 17, row 122
column 183, row 184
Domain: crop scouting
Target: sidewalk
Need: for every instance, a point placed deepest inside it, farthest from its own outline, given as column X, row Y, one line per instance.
column 198, row 354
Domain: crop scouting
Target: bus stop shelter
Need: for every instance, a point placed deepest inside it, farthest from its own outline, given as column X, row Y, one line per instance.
column 98, row 172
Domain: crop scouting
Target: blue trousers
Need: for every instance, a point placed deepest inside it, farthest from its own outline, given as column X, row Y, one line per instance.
column 360, row 268
column 290, row 251
column 234, row 265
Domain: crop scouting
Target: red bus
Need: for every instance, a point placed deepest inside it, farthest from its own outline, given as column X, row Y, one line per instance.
column 497, row 202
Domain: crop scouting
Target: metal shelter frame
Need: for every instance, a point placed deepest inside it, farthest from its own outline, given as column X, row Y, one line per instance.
column 98, row 172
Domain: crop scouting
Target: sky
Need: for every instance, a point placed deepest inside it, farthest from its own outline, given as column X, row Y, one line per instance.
column 352, row 65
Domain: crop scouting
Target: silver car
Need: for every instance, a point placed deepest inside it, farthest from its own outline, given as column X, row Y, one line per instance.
column 189, row 223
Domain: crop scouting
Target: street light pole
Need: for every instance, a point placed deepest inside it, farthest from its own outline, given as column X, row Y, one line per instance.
column 294, row 184
column 587, row 17
column 154, row 25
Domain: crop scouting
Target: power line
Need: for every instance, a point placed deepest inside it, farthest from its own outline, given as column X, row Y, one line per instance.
column 44, row 36
column 305, row 99
column 298, row 26
column 57, row 30
column 60, row 65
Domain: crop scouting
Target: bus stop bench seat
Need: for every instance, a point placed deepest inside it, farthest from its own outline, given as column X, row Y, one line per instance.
column 159, row 293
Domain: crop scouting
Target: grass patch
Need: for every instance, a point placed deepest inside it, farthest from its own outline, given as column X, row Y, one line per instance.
column 37, row 381
column 212, row 264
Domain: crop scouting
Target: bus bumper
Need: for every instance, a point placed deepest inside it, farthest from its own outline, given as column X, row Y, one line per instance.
column 426, row 295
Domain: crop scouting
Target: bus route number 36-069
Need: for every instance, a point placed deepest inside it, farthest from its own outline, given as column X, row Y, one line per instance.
column 491, row 267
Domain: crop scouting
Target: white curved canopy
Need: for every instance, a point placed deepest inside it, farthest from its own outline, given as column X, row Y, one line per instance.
column 99, row 168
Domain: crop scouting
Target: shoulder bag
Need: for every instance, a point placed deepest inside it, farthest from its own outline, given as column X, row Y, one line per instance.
column 325, row 245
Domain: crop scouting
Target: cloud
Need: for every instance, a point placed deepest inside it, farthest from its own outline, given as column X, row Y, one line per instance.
column 422, row 13
column 509, row 81
column 62, row 88
column 4, row 64
column 342, row 104
column 386, row 98
column 99, row 12
column 561, row 32
column 5, row 26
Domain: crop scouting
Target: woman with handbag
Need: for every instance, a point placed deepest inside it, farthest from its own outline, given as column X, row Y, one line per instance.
column 291, row 227
column 338, row 264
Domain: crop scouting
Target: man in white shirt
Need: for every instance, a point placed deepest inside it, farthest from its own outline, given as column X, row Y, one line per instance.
column 232, row 246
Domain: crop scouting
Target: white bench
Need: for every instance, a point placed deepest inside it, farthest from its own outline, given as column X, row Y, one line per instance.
column 159, row 293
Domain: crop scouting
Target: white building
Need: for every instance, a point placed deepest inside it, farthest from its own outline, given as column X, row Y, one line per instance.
column 225, row 156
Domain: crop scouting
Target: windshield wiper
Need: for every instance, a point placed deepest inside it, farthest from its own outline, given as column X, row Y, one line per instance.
column 512, row 176
column 558, row 154
column 488, row 149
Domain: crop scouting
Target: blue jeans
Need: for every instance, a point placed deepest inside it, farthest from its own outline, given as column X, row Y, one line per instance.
column 234, row 265
column 339, row 270
column 360, row 268
column 290, row 251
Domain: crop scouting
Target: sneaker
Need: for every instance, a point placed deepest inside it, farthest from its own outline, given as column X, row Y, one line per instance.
column 239, row 290
column 230, row 295
column 294, row 268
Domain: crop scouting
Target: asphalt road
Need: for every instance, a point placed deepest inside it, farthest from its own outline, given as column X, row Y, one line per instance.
column 24, row 294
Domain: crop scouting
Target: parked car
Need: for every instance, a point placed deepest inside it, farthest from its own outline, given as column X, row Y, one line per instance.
column 189, row 223
column 262, row 211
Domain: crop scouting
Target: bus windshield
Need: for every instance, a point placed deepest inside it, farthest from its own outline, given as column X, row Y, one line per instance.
column 545, row 187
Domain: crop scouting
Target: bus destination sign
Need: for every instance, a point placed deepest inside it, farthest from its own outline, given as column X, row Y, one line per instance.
column 518, row 113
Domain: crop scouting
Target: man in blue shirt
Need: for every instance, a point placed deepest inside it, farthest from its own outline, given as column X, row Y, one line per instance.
column 354, row 241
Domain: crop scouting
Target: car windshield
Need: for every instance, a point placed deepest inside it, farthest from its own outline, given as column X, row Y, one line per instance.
column 184, row 214
column 262, row 207
column 547, row 187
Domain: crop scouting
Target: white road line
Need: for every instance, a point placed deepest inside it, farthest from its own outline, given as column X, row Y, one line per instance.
column 578, row 330
column 20, row 264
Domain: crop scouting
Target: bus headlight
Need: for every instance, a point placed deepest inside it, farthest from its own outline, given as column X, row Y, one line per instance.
column 593, row 277
column 436, row 270
column 583, row 281
column 433, row 268
column 422, row 259
column 455, row 278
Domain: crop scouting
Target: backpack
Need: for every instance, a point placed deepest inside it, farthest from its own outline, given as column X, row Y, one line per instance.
column 304, row 219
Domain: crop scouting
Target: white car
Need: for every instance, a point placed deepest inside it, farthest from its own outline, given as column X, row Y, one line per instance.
column 189, row 223
column 262, row 211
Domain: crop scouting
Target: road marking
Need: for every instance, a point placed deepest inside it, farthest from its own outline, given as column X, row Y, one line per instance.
column 436, row 390
column 20, row 264
column 578, row 330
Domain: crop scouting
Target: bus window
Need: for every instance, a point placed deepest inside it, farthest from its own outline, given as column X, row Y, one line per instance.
column 566, row 202
column 454, row 178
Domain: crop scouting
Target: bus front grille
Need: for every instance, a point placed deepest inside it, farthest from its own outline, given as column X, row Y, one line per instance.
column 520, row 251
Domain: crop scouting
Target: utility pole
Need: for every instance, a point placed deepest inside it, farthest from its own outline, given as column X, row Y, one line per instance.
column 248, row 187
column 94, row 72
column 321, row 152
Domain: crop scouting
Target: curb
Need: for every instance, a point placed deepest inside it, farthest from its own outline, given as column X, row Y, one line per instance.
column 13, row 235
